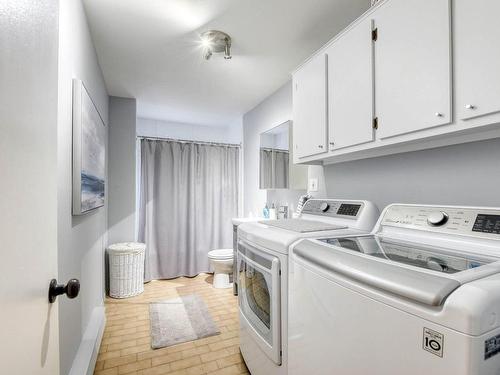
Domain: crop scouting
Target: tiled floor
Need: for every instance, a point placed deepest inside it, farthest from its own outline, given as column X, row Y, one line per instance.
column 126, row 346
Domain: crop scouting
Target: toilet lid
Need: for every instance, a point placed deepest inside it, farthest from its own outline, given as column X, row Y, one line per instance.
column 221, row 254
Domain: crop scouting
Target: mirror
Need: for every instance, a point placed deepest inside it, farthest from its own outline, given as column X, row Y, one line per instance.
column 275, row 157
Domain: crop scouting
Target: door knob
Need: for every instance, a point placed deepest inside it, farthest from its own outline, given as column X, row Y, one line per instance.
column 71, row 289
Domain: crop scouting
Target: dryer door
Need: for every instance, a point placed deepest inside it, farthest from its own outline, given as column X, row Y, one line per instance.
column 259, row 297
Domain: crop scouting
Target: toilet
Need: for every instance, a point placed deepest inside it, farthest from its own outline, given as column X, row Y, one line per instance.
column 222, row 263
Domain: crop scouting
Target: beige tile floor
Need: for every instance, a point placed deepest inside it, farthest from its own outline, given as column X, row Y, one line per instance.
column 126, row 345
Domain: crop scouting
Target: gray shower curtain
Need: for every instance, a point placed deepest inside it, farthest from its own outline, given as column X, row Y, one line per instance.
column 188, row 196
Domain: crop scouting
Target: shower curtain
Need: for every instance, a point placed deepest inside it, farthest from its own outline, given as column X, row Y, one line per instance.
column 188, row 196
column 281, row 168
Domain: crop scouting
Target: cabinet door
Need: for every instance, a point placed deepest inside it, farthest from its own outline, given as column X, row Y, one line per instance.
column 309, row 108
column 350, row 88
column 477, row 51
column 412, row 66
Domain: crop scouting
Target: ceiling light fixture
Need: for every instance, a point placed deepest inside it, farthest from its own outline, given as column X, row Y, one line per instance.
column 214, row 41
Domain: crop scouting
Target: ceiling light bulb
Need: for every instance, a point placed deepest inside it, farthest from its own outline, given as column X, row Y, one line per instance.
column 205, row 43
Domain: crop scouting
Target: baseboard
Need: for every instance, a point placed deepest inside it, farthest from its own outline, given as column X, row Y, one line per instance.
column 86, row 355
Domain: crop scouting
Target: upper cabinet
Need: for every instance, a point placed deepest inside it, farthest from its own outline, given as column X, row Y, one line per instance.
column 477, row 54
column 310, row 108
column 350, row 88
column 407, row 75
column 413, row 65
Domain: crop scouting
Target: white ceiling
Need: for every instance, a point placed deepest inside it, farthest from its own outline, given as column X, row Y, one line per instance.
column 150, row 50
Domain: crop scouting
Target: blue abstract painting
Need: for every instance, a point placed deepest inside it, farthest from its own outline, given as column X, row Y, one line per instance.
column 89, row 153
column 93, row 171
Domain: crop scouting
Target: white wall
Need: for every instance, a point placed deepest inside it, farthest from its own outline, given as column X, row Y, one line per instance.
column 122, row 170
column 273, row 111
column 81, row 239
column 232, row 133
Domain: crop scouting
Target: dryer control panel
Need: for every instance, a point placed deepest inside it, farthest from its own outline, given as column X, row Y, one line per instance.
column 333, row 208
column 482, row 222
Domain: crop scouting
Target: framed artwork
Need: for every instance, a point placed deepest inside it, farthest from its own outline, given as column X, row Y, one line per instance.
column 89, row 152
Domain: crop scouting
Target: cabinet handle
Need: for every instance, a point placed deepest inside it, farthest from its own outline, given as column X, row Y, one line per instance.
column 470, row 106
column 320, row 146
column 439, row 114
column 332, row 144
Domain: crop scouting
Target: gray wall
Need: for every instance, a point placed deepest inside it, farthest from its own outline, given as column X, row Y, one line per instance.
column 81, row 239
column 273, row 111
column 467, row 174
column 122, row 167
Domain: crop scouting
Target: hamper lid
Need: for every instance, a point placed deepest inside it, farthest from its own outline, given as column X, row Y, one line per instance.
column 127, row 247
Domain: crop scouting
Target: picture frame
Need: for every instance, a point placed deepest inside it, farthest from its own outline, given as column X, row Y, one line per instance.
column 89, row 153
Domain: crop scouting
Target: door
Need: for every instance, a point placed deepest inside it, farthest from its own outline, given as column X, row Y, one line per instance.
column 310, row 108
column 476, row 36
column 350, row 88
column 259, row 297
column 412, row 66
column 28, row 193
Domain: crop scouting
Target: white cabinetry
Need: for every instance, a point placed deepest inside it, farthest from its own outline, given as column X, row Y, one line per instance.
column 310, row 108
column 402, row 76
column 350, row 88
column 477, row 57
column 413, row 66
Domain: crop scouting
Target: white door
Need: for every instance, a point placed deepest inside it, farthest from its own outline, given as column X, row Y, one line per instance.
column 477, row 57
column 28, row 192
column 310, row 108
column 413, row 66
column 350, row 88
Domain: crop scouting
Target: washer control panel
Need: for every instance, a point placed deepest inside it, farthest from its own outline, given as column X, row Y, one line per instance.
column 465, row 221
column 333, row 208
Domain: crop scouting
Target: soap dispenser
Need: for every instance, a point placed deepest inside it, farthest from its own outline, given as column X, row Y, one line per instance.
column 265, row 212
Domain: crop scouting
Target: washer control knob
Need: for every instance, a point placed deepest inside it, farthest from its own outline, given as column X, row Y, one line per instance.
column 437, row 218
column 324, row 207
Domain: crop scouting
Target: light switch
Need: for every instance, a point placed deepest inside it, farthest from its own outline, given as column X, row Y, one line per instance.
column 313, row 184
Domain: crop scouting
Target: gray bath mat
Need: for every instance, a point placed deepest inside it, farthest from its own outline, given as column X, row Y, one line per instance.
column 179, row 320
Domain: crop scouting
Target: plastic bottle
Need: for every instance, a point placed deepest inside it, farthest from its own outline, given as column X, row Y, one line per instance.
column 265, row 212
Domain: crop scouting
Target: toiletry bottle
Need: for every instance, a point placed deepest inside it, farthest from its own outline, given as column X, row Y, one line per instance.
column 272, row 212
column 265, row 212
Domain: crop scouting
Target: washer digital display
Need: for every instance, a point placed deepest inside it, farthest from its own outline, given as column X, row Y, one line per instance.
column 348, row 209
column 487, row 224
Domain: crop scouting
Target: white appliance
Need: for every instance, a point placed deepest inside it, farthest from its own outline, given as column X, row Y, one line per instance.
column 420, row 295
column 263, row 273
column 236, row 222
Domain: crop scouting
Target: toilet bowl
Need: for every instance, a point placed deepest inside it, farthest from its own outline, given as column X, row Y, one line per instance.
column 222, row 263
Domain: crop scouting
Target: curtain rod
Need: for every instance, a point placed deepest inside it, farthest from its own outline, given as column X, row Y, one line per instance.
column 274, row 149
column 190, row 141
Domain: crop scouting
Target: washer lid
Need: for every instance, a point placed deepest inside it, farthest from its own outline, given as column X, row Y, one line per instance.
column 418, row 273
column 437, row 259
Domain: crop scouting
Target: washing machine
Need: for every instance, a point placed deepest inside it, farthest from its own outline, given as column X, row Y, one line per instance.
column 419, row 295
column 262, row 268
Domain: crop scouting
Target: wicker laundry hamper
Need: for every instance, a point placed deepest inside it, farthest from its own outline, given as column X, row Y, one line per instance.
column 126, row 269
